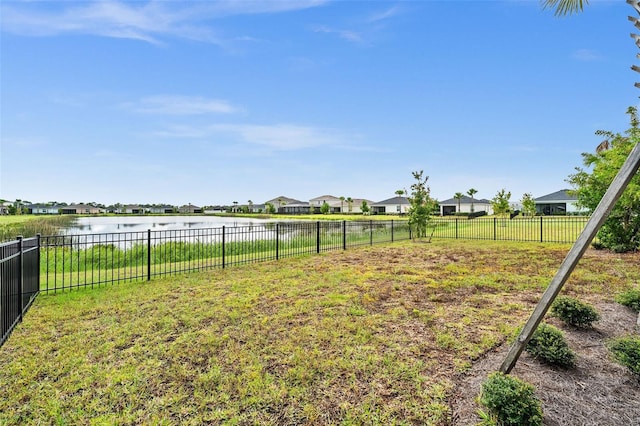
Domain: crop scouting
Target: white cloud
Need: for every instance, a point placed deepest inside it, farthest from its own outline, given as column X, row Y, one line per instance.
column 145, row 21
column 273, row 137
column 181, row 105
column 586, row 55
column 351, row 36
column 385, row 14
column 283, row 137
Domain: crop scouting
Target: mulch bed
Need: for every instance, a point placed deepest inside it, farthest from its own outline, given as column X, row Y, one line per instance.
column 597, row 391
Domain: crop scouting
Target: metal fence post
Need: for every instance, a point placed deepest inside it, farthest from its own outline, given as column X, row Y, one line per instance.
column 370, row 232
column 223, row 228
column 456, row 228
column 20, row 275
column 318, row 237
column 277, row 241
column 148, row 254
column 38, row 236
column 344, row 235
column 541, row 239
column 495, row 228
column 391, row 230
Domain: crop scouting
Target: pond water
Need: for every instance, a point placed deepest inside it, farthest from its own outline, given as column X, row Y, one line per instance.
column 108, row 224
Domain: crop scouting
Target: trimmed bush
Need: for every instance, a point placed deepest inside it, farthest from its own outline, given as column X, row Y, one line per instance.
column 549, row 345
column 630, row 298
column 574, row 312
column 511, row 401
column 626, row 351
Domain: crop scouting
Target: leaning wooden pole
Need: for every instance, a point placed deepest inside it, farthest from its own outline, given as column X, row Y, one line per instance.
column 617, row 187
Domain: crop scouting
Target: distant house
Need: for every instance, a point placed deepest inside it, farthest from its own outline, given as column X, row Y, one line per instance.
column 450, row 206
column 162, row 209
column 42, row 209
column 80, row 209
column 215, row 209
column 134, row 209
column 296, row 206
column 335, row 204
column 190, row 209
column 557, row 203
column 395, row 205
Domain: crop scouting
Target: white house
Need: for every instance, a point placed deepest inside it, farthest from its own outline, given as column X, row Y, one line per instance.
column 43, row 209
column 395, row 205
column 557, row 203
column 465, row 205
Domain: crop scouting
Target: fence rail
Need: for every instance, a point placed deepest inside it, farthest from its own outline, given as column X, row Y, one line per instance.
column 19, row 281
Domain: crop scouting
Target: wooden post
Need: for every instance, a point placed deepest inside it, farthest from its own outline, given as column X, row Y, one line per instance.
column 615, row 190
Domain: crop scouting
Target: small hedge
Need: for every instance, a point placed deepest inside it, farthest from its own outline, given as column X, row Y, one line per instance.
column 511, row 401
column 626, row 351
column 549, row 345
column 574, row 312
column 630, row 298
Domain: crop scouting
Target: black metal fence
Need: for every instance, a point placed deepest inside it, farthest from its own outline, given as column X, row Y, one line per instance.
column 89, row 260
column 544, row 229
column 19, row 281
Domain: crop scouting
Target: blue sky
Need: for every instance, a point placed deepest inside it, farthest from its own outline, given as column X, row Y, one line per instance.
column 215, row 102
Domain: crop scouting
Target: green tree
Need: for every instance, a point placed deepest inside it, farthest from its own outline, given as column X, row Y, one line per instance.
column 458, row 196
column 271, row 209
column 350, row 204
column 342, row 204
column 324, row 208
column 528, row 204
column 400, row 192
column 422, row 205
column 621, row 230
column 500, row 203
column 471, row 192
column 250, row 207
column 364, row 207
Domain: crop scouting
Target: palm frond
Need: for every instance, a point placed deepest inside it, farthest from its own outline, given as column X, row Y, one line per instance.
column 565, row 7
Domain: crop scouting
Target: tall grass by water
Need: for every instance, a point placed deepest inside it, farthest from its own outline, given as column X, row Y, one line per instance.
column 30, row 225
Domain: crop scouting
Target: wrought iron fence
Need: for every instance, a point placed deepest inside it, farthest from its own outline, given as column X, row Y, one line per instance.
column 89, row 260
column 544, row 229
column 19, row 281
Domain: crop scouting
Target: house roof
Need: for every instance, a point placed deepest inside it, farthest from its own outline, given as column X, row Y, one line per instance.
column 464, row 200
column 562, row 195
column 286, row 200
column 326, row 197
column 392, row 201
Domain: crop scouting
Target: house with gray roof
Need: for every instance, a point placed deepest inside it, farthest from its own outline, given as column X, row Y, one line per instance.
column 395, row 205
column 465, row 205
column 557, row 203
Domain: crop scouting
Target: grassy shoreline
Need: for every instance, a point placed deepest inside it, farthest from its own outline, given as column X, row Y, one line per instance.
column 375, row 335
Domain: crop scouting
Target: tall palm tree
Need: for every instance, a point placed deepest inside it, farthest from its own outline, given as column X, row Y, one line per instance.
column 342, row 204
column 458, row 196
column 471, row 193
column 250, row 206
column 400, row 192
column 350, row 203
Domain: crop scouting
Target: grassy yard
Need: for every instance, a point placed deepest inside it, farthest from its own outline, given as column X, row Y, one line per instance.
column 375, row 335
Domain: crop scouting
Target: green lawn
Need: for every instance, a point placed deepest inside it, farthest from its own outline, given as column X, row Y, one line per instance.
column 373, row 335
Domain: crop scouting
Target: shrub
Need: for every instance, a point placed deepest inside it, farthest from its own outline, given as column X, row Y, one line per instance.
column 510, row 400
column 574, row 312
column 626, row 351
column 630, row 298
column 549, row 345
